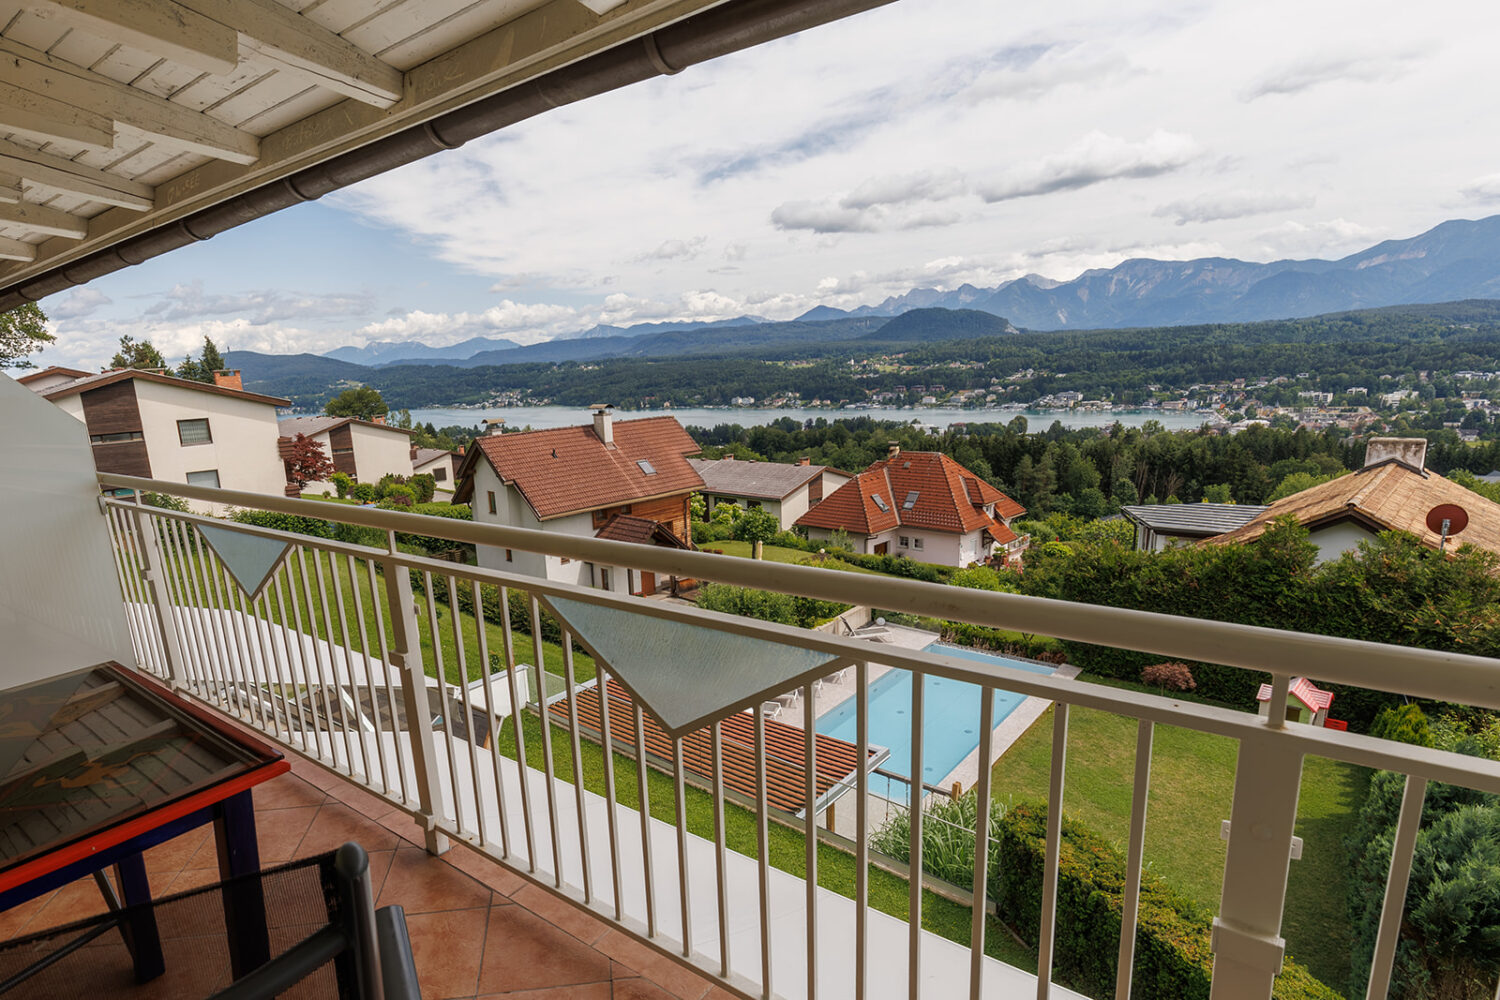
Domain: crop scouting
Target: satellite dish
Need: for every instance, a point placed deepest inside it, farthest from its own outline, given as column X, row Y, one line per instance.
column 1456, row 517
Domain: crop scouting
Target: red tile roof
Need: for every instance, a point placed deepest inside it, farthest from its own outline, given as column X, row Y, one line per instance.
column 87, row 382
column 566, row 470
column 920, row 489
column 1315, row 698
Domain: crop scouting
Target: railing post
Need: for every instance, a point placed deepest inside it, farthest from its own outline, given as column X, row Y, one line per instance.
column 1247, row 944
column 152, row 570
column 406, row 659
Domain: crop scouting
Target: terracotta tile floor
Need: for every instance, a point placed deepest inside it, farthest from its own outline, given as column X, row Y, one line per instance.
column 476, row 929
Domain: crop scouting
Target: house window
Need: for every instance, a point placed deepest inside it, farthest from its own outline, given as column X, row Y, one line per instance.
column 905, row 542
column 603, row 577
column 492, row 501
column 916, row 543
column 194, row 432
column 440, row 475
column 115, row 438
column 510, row 556
column 752, row 505
column 815, row 490
column 208, row 477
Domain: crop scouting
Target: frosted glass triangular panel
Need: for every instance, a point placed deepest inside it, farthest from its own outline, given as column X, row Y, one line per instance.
column 685, row 675
column 250, row 559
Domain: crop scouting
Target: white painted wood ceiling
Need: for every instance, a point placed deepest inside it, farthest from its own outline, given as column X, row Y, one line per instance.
column 119, row 115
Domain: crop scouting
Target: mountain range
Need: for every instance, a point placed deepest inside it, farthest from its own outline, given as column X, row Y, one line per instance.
column 1458, row 259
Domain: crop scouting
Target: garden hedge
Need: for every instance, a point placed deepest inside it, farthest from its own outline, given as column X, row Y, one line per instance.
column 1172, row 956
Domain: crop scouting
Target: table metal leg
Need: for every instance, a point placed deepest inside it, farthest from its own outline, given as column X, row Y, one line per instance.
column 244, row 899
column 138, row 927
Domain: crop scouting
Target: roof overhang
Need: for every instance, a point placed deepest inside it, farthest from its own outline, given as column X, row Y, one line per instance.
column 207, row 114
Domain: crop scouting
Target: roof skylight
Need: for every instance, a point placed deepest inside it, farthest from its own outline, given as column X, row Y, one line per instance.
column 910, row 501
column 879, row 501
column 646, row 467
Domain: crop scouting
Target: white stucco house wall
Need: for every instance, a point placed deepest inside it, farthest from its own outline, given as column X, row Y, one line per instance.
column 922, row 505
column 161, row 427
column 363, row 449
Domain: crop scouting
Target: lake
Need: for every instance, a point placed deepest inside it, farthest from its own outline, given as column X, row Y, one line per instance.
column 538, row 417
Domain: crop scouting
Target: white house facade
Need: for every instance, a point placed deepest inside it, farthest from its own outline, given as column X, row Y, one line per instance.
column 785, row 490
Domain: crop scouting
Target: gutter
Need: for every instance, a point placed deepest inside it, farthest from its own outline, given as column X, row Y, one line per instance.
column 729, row 28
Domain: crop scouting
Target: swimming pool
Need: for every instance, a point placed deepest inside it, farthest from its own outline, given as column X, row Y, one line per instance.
column 950, row 716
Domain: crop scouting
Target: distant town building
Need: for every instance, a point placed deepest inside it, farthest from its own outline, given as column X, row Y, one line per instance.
column 920, row 504
column 626, row 480
column 785, row 490
column 439, row 463
column 156, row 426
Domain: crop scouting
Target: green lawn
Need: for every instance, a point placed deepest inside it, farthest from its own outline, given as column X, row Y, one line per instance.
column 312, row 622
column 775, row 553
column 836, row 870
column 1192, row 786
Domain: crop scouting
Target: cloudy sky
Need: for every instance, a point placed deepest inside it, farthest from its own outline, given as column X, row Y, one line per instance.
column 928, row 143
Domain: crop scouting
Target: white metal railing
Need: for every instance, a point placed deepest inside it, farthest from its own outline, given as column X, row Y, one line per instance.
column 339, row 656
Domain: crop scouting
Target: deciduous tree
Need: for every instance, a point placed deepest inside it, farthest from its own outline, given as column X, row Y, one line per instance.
column 306, row 462
column 136, row 354
column 363, row 402
column 23, row 331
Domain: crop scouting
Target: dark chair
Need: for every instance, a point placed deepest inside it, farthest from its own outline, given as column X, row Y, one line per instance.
column 306, row 929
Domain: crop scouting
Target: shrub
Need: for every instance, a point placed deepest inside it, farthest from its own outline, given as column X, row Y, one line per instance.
column 282, row 522
column 983, row 578
column 341, row 483
column 1172, row 956
column 756, row 525
column 364, row 492
column 947, row 838
column 711, row 532
column 767, row 605
column 1404, row 724
column 1170, row 676
column 165, row 502
column 398, row 495
column 425, row 485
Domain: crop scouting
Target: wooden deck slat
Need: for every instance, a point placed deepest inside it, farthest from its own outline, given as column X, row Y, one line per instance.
column 785, row 755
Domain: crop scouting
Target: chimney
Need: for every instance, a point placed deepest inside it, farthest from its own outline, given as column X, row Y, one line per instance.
column 414, row 453
column 894, row 449
column 805, row 460
column 729, row 458
column 229, row 378
column 1410, row 452
column 460, row 449
column 378, row 420
column 494, row 425
column 604, row 423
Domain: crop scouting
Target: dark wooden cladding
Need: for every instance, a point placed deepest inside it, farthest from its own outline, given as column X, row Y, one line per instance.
column 112, row 409
column 672, row 512
column 341, row 443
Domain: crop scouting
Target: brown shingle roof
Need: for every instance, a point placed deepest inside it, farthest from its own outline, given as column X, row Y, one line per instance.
column 922, row 489
column 123, row 374
column 565, row 470
column 1389, row 496
column 640, row 530
column 319, row 424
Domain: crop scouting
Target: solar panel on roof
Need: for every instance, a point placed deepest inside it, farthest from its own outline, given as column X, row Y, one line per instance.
column 646, row 467
column 910, row 501
column 879, row 501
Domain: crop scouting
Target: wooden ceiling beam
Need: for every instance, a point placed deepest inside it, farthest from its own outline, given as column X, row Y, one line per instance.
column 43, row 220
column 60, row 174
column 301, row 46
column 10, row 188
column 162, row 27
column 39, row 117
column 24, row 67
column 16, row 250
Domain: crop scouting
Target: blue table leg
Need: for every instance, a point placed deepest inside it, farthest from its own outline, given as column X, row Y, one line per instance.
column 139, row 926
column 244, row 899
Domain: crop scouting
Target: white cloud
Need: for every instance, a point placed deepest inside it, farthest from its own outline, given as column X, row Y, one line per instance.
column 78, row 304
column 1230, row 205
column 1094, row 159
column 1313, row 70
column 904, row 189
column 1482, row 189
column 191, row 301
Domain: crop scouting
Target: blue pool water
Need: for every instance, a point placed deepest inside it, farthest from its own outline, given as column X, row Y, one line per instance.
column 950, row 716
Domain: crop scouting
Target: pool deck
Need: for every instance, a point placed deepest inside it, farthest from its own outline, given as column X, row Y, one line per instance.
column 1010, row 728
